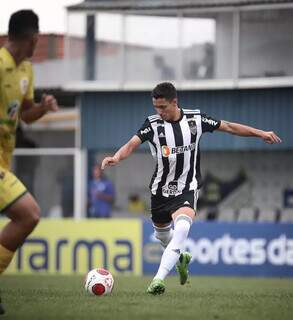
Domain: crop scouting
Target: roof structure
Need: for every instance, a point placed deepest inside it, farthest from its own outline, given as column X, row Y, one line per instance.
column 146, row 5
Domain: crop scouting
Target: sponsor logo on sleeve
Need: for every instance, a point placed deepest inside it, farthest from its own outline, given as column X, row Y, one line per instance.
column 145, row 131
column 209, row 121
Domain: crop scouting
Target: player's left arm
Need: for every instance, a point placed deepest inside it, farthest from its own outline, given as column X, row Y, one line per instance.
column 31, row 111
column 246, row 131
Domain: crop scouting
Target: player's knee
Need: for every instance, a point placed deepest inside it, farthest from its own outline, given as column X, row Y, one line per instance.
column 183, row 220
column 163, row 234
column 33, row 216
column 36, row 215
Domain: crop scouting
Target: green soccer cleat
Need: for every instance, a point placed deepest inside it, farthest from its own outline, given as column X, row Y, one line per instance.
column 182, row 266
column 157, row 286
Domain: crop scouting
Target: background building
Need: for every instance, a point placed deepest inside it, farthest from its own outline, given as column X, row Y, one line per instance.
column 232, row 59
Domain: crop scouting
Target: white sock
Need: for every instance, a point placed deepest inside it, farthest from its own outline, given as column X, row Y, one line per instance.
column 164, row 234
column 175, row 247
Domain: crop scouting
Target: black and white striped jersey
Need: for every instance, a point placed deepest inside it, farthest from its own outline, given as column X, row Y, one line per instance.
column 175, row 147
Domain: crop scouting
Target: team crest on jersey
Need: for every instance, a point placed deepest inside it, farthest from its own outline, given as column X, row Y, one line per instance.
column 23, row 85
column 192, row 126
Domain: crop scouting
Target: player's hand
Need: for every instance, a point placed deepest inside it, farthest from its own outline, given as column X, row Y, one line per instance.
column 270, row 137
column 49, row 103
column 109, row 161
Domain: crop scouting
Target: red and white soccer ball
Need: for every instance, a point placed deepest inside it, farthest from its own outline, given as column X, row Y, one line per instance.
column 99, row 282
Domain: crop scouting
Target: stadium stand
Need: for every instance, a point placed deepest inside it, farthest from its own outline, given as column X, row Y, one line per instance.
column 227, row 215
column 267, row 215
column 286, row 215
column 246, row 215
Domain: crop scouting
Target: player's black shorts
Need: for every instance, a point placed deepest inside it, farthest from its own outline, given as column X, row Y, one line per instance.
column 163, row 208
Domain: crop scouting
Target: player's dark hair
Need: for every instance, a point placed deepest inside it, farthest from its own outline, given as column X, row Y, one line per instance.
column 22, row 24
column 164, row 90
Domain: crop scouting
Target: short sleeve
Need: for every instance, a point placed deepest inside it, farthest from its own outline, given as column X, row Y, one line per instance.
column 30, row 91
column 145, row 133
column 209, row 124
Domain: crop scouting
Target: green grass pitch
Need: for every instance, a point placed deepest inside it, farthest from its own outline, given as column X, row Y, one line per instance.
column 204, row 298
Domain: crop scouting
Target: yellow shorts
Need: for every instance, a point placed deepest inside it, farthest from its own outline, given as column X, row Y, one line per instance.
column 11, row 189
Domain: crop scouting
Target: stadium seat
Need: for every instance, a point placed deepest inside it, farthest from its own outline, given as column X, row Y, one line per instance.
column 246, row 215
column 226, row 214
column 267, row 215
column 286, row 215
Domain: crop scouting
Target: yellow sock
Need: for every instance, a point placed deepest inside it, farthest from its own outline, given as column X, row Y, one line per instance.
column 5, row 258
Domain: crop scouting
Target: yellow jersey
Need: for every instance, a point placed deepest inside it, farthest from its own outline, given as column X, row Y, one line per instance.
column 16, row 85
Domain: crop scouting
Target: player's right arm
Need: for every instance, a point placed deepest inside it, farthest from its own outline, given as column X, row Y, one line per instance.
column 145, row 133
column 124, row 152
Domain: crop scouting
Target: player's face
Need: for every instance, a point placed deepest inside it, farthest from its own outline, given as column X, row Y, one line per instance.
column 165, row 108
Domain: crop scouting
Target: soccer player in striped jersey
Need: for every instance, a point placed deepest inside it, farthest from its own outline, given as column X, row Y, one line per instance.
column 173, row 135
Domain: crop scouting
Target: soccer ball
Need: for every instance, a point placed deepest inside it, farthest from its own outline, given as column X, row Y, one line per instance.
column 99, row 282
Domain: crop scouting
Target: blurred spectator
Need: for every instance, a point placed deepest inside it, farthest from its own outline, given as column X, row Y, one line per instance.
column 166, row 72
column 136, row 204
column 101, row 195
column 212, row 214
column 202, row 68
column 206, row 69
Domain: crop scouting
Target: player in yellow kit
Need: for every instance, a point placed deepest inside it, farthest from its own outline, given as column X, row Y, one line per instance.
column 17, row 102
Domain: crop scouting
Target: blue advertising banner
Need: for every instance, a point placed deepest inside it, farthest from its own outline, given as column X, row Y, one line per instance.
column 236, row 249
